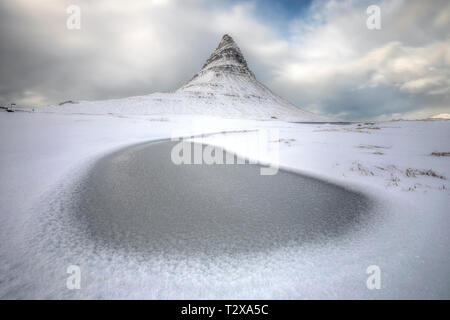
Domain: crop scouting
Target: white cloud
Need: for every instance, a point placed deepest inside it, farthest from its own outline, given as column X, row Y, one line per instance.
column 334, row 55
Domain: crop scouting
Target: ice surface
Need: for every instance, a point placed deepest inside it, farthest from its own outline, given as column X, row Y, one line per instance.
column 137, row 199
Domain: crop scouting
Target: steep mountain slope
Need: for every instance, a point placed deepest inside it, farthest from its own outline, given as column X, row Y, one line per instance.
column 224, row 87
column 226, row 76
column 226, row 73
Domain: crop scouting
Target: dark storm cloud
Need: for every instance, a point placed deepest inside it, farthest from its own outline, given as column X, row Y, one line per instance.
column 119, row 51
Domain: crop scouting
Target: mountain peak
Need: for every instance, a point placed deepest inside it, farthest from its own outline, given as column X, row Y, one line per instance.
column 226, row 57
column 226, row 40
column 226, row 80
column 226, row 61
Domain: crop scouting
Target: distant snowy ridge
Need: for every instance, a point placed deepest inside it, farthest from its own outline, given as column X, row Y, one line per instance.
column 224, row 87
column 441, row 116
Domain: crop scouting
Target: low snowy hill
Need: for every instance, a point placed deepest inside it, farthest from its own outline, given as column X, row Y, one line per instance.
column 224, row 87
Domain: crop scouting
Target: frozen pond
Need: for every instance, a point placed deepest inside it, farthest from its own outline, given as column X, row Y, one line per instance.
column 137, row 199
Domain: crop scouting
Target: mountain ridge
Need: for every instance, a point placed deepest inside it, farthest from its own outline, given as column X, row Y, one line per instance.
column 224, row 87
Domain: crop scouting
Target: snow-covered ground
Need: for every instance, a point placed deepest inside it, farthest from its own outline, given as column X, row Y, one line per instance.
column 43, row 155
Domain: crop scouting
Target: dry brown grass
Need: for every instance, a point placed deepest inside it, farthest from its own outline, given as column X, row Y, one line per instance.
column 412, row 173
column 440, row 154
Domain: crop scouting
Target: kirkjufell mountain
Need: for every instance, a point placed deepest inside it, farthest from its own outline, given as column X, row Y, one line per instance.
column 224, row 87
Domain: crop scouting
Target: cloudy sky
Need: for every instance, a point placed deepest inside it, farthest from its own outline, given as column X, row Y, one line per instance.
column 318, row 54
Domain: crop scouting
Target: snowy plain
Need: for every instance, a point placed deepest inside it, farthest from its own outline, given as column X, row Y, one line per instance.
column 45, row 155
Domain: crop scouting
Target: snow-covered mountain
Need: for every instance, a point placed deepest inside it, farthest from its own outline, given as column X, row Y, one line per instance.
column 224, row 87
